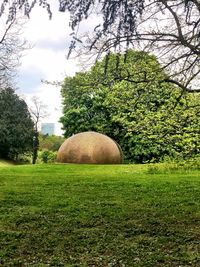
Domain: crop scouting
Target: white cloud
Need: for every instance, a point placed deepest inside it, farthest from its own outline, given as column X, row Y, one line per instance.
column 52, row 64
column 40, row 27
column 47, row 59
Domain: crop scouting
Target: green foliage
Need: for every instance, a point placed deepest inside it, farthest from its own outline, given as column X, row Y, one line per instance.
column 50, row 142
column 150, row 119
column 16, row 126
column 47, row 156
column 170, row 165
column 49, row 145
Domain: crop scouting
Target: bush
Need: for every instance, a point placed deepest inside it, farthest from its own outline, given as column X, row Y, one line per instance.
column 47, row 156
column 175, row 165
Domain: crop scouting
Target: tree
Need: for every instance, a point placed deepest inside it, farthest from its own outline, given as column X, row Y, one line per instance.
column 50, row 142
column 16, row 126
column 11, row 48
column 38, row 112
column 168, row 28
column 150, row 120
column 83, row 103
column 48, row 147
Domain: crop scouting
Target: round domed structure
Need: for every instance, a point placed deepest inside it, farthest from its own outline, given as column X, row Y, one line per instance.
column 90, row 148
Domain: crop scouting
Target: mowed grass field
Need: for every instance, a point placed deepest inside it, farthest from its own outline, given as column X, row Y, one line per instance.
column 87, row 215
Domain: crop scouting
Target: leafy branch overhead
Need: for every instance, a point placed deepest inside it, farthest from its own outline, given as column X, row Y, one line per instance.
column 169, row 29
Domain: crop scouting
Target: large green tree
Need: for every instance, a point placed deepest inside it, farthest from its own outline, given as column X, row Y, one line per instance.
column 149, row 118
column 16, row 126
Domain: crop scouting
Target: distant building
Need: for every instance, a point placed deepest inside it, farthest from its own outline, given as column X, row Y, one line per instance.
column 48, row 128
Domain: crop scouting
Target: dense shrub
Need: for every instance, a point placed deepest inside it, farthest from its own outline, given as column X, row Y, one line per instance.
column 47, row 156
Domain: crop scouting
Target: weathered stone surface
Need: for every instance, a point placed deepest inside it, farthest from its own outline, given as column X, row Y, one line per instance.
column 90, row 148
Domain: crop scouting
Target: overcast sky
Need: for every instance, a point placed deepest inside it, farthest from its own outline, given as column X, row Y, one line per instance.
column 47, row 59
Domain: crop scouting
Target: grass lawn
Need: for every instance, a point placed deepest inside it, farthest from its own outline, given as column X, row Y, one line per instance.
column 5, row 163
column 87, row 215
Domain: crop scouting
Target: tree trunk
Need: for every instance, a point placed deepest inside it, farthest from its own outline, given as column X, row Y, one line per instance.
column 35, row 146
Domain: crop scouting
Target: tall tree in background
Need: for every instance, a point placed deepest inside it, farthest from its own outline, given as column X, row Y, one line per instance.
column 11, row 48
column 16, row 125
column 38, row 112
column 148, row 118
column 170, row 29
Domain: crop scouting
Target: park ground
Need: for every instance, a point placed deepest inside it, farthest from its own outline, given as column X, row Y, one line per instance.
column 94, row 215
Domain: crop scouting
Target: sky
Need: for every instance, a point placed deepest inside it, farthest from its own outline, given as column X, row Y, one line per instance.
column 46, row 60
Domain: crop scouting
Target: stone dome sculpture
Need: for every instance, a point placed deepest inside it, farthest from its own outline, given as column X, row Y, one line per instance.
column 90, row 148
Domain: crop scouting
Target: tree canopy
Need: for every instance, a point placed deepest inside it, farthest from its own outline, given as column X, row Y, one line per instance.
column 16, row 126
column 150, row 120
column 170, row 29
column 50, row 142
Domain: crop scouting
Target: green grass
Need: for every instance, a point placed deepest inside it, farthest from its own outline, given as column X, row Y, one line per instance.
column 5, row 163
column 87, row 215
